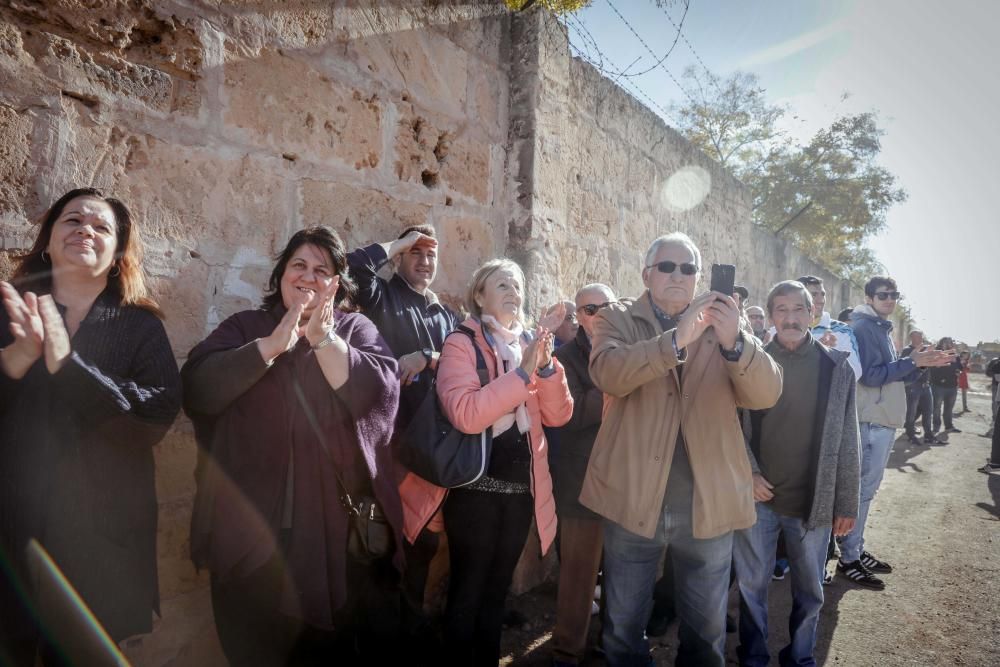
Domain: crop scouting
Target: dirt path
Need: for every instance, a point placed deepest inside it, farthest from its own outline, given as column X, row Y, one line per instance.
column 936, row 519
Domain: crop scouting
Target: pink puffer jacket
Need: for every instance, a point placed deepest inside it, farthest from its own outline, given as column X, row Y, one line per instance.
column 472, row 408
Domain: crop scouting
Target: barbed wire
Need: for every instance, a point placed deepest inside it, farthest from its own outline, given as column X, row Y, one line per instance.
column 690, row 46
column 652, row 53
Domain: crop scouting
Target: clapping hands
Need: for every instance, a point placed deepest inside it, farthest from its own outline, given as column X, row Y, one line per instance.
column 38, row 331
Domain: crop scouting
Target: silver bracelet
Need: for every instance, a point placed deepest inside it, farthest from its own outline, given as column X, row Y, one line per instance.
column 330, row 337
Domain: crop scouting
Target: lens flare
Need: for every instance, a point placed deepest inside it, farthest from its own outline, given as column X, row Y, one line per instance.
column 66, row 617
column 686, row 188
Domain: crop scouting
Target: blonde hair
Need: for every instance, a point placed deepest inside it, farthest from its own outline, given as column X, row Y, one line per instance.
column 478, row 283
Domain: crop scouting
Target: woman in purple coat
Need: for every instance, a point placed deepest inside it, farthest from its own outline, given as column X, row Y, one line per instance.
column 290, row 402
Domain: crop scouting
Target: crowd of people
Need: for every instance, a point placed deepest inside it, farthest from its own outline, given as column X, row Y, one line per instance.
column 619, row 427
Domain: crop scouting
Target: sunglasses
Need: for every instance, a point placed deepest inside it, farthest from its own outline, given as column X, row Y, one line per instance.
column 687, row 268
column 882, row 296
column 592, row 308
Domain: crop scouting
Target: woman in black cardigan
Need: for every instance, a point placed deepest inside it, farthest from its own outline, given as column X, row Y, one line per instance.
column 88, row 385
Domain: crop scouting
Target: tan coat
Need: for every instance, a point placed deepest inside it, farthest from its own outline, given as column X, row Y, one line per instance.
column 633, row 362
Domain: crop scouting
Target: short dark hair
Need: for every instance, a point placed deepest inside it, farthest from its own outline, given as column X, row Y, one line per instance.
column 785, row 288
column 742, row 291
column 845, row 315
column 324, row 238
column 809, row 280
column 426, row 230
column 879, row 281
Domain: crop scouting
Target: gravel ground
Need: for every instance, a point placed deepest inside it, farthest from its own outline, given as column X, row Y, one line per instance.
column 936, row 520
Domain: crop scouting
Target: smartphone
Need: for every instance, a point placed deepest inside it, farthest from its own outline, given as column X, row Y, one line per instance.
column 723, row 278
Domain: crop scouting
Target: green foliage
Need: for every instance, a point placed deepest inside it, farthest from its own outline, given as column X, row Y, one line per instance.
column 556, row 6
column 829, row 195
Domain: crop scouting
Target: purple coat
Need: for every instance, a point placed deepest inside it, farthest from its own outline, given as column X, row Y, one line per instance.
column 282, row 438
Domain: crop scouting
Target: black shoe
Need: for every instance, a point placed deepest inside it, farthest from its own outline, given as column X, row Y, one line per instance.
column 874, row 564
column 658, row 625
column 914, row 439
column 990, row 468
column 929, row 440
column 860, row 575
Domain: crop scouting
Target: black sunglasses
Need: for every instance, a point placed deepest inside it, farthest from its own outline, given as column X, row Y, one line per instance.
column 687, row 268
column 592, row 308
column 882, row 296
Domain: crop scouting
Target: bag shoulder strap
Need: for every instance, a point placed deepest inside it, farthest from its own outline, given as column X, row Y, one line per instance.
column 481, row 370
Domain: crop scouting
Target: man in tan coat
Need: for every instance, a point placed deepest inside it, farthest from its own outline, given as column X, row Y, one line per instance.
column 669, row 464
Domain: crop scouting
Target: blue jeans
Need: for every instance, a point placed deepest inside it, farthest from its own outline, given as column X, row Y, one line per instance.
column 753, row 557
column 919, row 401
column 701, row 571
column 876, row 445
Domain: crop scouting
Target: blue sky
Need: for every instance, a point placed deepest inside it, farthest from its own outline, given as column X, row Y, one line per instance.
column 928, row 68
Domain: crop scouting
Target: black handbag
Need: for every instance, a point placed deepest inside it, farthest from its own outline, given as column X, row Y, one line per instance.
column 369, row 535
column 437, row 451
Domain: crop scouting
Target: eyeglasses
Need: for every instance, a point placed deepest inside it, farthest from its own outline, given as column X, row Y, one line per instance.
column 882, row 296
column 592, row 308
column 687, row 268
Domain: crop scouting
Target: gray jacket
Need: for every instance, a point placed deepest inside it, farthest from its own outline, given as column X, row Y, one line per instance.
column 837, row 468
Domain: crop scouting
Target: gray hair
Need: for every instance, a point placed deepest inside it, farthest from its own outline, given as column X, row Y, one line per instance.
column 595, row 287
column 478, row 283
column 786, row 287
column 673, row 238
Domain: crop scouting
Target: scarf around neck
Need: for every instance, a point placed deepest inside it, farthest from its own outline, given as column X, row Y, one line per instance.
column 507, row 345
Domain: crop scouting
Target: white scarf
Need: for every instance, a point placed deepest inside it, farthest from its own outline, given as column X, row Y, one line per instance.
column 507, row 346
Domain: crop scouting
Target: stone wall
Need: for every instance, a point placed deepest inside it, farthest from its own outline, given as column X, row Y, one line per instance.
column 607, row 176
column 226, row 126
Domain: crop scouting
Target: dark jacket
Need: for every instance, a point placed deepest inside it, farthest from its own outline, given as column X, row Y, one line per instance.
column 946, row 376
column 568, row 460
column 276, row 435
column 836, row 464
column 408, row 321
column 76, row 463
column 881, row 395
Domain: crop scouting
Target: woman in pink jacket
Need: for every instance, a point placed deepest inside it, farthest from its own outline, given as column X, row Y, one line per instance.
column 487, row 522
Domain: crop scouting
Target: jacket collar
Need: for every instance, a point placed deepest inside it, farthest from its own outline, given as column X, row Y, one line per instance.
column 866, row 312
column 427, row 299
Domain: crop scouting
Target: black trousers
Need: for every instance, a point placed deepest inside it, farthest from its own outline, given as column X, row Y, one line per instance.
column 253, row 633
column 486, row 534
column 995, row 451
column 944, row 402
column 423, row 644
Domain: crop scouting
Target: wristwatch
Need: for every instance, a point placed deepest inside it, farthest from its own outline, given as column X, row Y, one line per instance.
column 330, row 337
column 735, row 353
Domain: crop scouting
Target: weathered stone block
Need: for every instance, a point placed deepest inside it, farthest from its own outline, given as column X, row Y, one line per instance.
column 138, row 29
column 15, row 146
column 466, row 243
column 322, row 120
column 98, row 77
column 465, row 167
column 360, row 215
column 432, row 70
